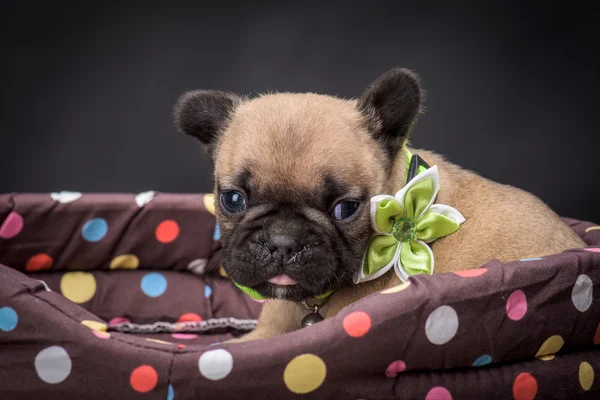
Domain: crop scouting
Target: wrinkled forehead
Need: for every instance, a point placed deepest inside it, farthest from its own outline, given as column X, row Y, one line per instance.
column 296, row 145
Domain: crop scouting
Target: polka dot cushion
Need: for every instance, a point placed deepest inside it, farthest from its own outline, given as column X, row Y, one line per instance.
column 121, row 296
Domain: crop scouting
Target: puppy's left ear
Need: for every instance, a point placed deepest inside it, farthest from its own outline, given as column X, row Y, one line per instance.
column 204, row 114
column 391, row 105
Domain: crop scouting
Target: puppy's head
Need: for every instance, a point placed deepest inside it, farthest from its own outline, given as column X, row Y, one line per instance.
column 294, row 174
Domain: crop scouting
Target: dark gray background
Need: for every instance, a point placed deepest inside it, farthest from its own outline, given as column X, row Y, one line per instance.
column 88, row 90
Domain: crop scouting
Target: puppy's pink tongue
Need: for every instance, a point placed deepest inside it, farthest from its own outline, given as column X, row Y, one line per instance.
column 282, row 280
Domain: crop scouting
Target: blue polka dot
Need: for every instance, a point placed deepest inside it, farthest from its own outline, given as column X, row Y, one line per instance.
column 483, row 360
column 530, row 259
column 214, row 344
column 8, row 319
column 154, row 284
column 217, row 234
column 94, row 230
column 207, row 291
column 170, row 393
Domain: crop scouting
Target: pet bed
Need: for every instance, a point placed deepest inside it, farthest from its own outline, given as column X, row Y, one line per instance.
column 121, row 296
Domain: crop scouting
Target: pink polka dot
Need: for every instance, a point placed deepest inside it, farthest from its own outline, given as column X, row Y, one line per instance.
column 101, row 335
column 438, row 393
column 471, row 273
column 395, row 368
column 594, row 249
column 186, row 336
column 13, row 224
column 118, row 320
column 516, row 305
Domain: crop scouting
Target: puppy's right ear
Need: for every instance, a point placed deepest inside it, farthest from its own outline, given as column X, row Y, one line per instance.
column 204, row 114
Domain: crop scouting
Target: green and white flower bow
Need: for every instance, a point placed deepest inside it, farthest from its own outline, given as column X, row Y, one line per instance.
column 404, row 224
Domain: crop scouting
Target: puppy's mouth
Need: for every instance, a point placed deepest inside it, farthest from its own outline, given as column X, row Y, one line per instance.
column 282, row 280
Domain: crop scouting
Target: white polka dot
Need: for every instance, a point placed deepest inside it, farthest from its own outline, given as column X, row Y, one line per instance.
column 582, row 295
column 144, row 198
column 65, row 197
column 215, row 364
column 441, row 325
column 45, row 286
column 53, row 364
column 198, row 266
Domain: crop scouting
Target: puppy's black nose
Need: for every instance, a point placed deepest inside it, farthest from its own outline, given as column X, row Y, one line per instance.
column 283, row 245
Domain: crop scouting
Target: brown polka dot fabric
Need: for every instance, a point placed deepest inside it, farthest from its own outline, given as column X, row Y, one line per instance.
column 119, row 296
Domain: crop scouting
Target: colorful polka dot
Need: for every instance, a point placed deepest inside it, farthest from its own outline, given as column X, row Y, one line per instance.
column 530, row 259
column 101, row 335
column 395, row 368
column 170, row 393
column 582, row 294
column 65, row 197
column 95, row 325
column 181, row 346
column 593, row 249
column 222, row 272
column 215, row 364
column 438, row 393
column 53, row 364
column 8, row 319
column 153, row 284
column 198, row 266
column 39, row 262
column 396, row 289
column 158, row 341
column 144, row 198
column 357, row 324
column 516, row 305
column 597, row 335
column 190, row 317
column 586, row 375
column 441, row 325
column 167, row 231
column 525, row 387
column 79, row 287
column 207, row 291
column 184, row 336
column 143, row 379
column 304, row 374
column 46, row 288
column 94, row 230
column 483, row 360
column 125, row 261
column 217, row 233
column 592, row 228
column 209, row 203
column 471, row 273
column 551, row 346
column 12, row 226
column 118, row 321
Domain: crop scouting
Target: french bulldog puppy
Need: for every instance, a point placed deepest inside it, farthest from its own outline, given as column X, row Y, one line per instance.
column 294, row 175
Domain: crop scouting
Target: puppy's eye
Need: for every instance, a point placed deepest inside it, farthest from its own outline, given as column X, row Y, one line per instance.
column 233, row 201
column 345, row 209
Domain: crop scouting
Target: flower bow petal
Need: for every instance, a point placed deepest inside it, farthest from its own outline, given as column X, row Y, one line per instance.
column 415, row 258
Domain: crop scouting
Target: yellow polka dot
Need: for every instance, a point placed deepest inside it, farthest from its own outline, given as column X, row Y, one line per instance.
column 396, row 289
column 209, row 203
column 78, row 287
column 304, row 373
column 552, row 345
column 158, row 341
column 222, row 272
column 586, row 375
column 592, row 228
column 125, row 261
column 95, row 325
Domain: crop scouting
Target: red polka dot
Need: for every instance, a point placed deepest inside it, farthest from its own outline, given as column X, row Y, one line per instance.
column 357, row 324
column 190, row 317
column 167, row 231
column 181, row 346
column 143, row 379
column 525, row 387
column 597, row 335
column 39, row 262
column 471, row 273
